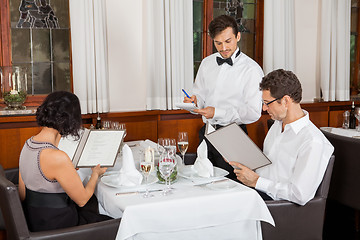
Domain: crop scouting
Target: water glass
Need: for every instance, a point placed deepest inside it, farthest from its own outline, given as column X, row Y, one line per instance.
column 166, row 167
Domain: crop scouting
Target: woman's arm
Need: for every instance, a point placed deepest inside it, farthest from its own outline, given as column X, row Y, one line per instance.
column 56, row 164
column 21, row 188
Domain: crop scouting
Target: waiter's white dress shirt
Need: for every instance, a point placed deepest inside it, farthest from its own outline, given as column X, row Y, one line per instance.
column 299, row 156
column 232, row 90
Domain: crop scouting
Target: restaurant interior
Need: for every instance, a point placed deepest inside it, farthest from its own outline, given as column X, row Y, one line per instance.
column 128, row 61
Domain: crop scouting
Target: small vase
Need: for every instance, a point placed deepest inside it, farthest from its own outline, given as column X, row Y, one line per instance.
column 14, row 86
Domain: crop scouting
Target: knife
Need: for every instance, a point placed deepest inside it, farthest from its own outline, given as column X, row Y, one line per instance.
column 136, row 192
column 215, row 181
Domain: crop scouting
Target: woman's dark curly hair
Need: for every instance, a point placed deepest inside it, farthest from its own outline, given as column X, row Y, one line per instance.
column 61, row 111
column 280, row 83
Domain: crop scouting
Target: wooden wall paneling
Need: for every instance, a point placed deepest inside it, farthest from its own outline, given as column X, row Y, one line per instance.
column 319, row 115
column 137, row 127
column 12, row 140
column 170, row 129
column 257, row 131
column 336, row 118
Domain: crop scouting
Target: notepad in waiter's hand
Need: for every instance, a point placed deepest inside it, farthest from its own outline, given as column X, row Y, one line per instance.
column 98, row 147
column 187, row 106
column 236, row 146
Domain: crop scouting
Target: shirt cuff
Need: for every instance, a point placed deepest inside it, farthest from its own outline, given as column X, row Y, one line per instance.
column 262, row 184
column 219, row 113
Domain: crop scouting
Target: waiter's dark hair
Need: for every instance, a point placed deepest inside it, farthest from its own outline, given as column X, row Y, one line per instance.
column 280, row 83
column 220, row 23
column 61, row 111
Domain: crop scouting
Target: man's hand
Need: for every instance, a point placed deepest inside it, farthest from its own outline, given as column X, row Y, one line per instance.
column 189, row 100
column 245, row 174
column 207, row 112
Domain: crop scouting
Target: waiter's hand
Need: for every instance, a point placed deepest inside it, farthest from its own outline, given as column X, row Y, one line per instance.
column 245, row 174
column 207, row 112
column 189, row 100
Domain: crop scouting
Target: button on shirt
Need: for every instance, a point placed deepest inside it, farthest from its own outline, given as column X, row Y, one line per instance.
column 299, row 156
column 232, row 90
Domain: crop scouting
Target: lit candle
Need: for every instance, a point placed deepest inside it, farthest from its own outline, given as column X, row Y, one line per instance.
column 13, row 79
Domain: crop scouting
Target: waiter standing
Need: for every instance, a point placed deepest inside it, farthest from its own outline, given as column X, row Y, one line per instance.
column 226, row 87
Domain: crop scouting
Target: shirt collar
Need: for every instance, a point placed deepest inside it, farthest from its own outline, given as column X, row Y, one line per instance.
column 297, row 125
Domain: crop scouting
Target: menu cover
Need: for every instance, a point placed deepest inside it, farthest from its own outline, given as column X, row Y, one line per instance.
column 236, row 146
column 98, row 146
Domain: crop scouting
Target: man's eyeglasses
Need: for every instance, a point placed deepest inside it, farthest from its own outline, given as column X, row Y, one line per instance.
column 268, row 103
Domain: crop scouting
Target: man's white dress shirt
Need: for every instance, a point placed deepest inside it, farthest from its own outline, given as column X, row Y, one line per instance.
column 232, row 90
column 299, row 155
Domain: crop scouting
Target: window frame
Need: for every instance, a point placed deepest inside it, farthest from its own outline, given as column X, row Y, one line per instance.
column 354, row 88
column 259, row 30
column 5, row 50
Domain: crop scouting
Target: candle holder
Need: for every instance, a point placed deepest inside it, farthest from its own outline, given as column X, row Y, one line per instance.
column 14, row 87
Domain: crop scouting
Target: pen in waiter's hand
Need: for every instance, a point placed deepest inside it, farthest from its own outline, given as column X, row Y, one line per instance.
column 187, row 95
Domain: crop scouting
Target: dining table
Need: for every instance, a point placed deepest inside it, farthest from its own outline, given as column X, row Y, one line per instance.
column 197, row 208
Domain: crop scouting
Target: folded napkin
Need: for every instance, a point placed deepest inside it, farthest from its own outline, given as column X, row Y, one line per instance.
column 202, row 166
column 128, row 174
column 148, row 143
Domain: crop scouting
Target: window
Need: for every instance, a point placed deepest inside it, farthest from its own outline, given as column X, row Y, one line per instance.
column 249, row 16
column 37, row 41
column 354, row 48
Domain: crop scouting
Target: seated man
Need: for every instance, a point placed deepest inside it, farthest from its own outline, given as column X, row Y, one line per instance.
column 298, row 150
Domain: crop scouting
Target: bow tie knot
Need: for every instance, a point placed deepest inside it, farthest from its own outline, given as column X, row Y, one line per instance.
column 220, row 61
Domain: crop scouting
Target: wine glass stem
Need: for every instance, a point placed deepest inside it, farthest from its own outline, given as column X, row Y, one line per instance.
column 183, row 159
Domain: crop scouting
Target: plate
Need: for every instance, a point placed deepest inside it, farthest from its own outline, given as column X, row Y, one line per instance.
column 222, row 186
column 189, row 173
column 109, row 180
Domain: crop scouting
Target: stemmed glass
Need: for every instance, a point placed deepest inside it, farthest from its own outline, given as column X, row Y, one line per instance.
column 357, row 115
column 160, row 146
column 106, row 124
column 183, row 144
column 166, row 167
column 146, row 167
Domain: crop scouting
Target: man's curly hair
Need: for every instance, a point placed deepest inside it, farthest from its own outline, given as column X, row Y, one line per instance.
column 280, row 83
column 61, row 111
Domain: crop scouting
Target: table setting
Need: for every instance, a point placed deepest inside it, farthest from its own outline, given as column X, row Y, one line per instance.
column 158, row 197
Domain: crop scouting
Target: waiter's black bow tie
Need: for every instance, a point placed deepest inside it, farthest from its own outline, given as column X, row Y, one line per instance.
column 220, row 61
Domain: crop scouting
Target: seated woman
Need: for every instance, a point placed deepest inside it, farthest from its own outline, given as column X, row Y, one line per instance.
column 53, row 193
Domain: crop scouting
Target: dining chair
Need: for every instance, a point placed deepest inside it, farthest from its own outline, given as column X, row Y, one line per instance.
column 16, row 226
column 296, row 222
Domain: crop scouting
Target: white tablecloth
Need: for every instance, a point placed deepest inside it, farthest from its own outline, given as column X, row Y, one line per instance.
column 191, row 212
column 342, row 132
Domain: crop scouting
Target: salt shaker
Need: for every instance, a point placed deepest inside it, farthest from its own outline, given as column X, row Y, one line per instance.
column 346, row 119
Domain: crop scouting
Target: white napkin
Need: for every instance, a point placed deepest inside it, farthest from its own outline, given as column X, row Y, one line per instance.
column 202, row 166
column 148, row 143
column 128, row 174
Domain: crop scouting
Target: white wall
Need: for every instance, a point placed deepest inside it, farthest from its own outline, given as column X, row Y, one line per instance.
column 127, row 82
column 127, row 73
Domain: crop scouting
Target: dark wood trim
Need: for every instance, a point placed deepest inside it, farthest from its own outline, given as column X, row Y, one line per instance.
column 208, row 16
column 5, row 58
column 259, row 32
column 357, row 57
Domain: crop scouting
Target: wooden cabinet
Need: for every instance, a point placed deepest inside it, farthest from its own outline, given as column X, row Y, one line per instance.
column 152, row 125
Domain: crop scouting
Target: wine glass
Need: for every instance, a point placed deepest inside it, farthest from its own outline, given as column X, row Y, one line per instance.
column 115, row 125
column 166, row 167
column 146, row 167
column 106, row 124
column 183, row 144
column 357, row 115
column 122, row 126
column 160, row 146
